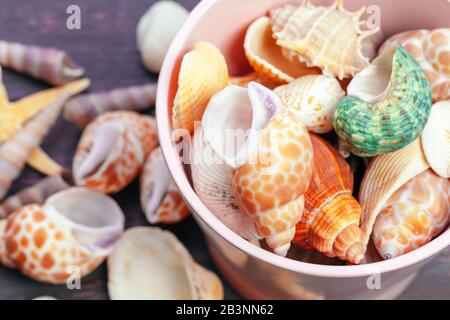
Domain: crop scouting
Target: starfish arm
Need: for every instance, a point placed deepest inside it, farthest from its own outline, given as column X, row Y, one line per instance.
column 40, row 161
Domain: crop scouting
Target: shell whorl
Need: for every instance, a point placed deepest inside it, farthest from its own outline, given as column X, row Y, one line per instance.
column 393, row 118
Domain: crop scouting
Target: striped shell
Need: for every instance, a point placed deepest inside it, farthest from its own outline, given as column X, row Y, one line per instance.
column 160, row 197
column 203, row 73
column 431, row 49
column 330, row 222
column 112, row 150
column 266, row 57
column 385, row 175
column 436, row 139
column 386, row 108
column 313, row 100
column 72, row 233
column 413, row 215
column 82, row 109
column 326, row 37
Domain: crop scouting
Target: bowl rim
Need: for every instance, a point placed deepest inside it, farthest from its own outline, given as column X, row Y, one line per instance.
column 206, row 216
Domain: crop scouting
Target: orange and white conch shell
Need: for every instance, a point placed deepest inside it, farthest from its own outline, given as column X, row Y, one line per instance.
column 74, row 231
column 112, row 150
column 266, row 57
column 413, row 215
column 203, row 73
column 160, row 197
column 431, row 49
column 313, row 100
column 386, row 174
column 330, row 38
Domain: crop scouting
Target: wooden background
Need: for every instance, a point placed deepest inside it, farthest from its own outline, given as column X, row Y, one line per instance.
column 105, row 46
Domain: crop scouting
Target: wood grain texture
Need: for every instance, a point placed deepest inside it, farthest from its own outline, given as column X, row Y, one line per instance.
column 105, row 46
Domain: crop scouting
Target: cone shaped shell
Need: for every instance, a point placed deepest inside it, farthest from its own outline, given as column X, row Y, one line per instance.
column 266, row 57
column 73, row 231
column 436, row 139
column 203, row 73
column 83, row 109
column 385, row 175
column 152, row 264
column 112, row 150
column 387, row 106
column 313, row 100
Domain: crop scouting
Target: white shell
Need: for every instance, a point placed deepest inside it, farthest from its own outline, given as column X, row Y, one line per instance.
column 152, row 264
column 436, row 139
column 156, row 30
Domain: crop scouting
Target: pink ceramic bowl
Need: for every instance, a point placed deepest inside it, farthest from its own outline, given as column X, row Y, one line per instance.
column 254, row 272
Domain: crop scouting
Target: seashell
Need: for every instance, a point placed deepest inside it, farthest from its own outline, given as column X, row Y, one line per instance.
column 152, row 264
column 15, row 152
column 431, row 49
column 203, row 73
column 160, row 197
column 74, row 231
column 83, row 109
column 112, row 150
column 413, row 215
column 266, row 57
column 313, row 100
column 36, row 194
column 385, row 175
column 156, row 30
column 330, row 222
column 436, row 139
column 243, row 81
column 330, row 38
column 49, row 64
column 4, row 100
column 387, row 106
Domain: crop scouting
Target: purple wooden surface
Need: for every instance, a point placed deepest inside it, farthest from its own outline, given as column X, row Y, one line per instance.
column 105, row 46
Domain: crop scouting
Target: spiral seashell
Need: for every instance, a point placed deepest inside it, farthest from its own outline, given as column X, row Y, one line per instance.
column 436, row 139
column 387, row 106
column 330, row 222
column 82, row 109
column 330, row 38
column 74, row 231
column 49, row 64
column 413, row 215
column 156, row 30
column 313, row 100
column 203, row 73
column 15, row 152
column 160, row 197
column 431, row 49
column 152, row 264
column 36, row 194
column 386, row 174
column 112, row 150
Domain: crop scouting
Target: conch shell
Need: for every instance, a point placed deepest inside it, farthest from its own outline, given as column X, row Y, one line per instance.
column 15, row 152
column 156, row 30
column 266, row 57
column 387, row 106
column 313, row 100
column 49, row 64
column 112, row 150
column 160, row 197
column 83, row 109
column 73, row 232
column 386, row 174
column 413, row 215
column 36, row 194
column 152, row 264
column 330, row 222
column 436, row 139
column 431, row 49
column 330, row 38
column 203, row 73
